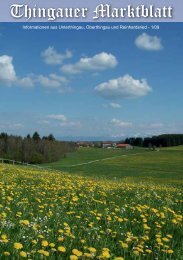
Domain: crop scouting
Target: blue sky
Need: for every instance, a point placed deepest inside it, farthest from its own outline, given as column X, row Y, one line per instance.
column 102, row 83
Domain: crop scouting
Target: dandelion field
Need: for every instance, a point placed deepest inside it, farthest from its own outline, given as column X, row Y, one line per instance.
column 53, row 215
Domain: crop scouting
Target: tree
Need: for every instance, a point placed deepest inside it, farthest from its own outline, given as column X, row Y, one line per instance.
column 28, row 136
column 51, row 137
column 36, row 137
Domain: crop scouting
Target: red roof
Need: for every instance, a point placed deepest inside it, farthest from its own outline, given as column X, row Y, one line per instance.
column 122, row 145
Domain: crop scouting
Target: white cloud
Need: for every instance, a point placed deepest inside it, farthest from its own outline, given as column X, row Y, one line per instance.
column 53, row 81
column 120, row 123
column 71, row 124
column 148, row 42
column 99, row 62
column 58, row 117
column 123, row 87
column 11, row 126
column 9, row 77
column 7, row 71
column 112, row 105
column 52, row 57
column 64, row 121
column 152, row 126
column 43, row 122
column 25, row 82
column 18, row 125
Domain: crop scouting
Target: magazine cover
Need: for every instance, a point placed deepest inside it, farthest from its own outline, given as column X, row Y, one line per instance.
column 91, row 129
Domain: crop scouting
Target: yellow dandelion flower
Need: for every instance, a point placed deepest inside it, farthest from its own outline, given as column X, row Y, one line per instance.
column 77, row 252
column 6, row 253
column 118, row 258
column 3, row 236
column 124, row 245
column 40, row 236
column 23, row 254
column 146, row 227
column 25, row 222
column 46, row 253
column 136, row 252
column 158, row 240
column 148, row 251
column 120, row 220
column 44, row 243
column 18, row 246
column 105, row 249
column 174, row 221
column 43, row 252
column 52, row 244
column 160, row 244
column 106, row 254
column 61, row 249
column 165, row 239
column 40, row 251
column 60, row 239
column 170, row 251
column 92, row 249
column 5, row 240
column 73, row 257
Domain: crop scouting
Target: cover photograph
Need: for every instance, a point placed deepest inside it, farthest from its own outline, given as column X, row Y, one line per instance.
column 91, row 130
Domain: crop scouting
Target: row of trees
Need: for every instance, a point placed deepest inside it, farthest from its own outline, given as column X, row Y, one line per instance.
column 33, row 149
column 164, row 140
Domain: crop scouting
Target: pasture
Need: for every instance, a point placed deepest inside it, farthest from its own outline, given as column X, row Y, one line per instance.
column 138, row 164
column 126, row 207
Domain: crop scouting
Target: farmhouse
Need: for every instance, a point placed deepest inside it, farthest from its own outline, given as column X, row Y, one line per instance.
column 108, row 144
column 84, row 144
column 124, row 146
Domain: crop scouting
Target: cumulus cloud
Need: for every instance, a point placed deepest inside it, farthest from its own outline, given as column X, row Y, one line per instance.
column 7, row 71
column 123, row 87
column 120, row 123
column 11, row 126
column 71, row 124
column 99, row 62
column 58, row 117
column 114, row 105
column 25, row 82
column 64, row 121
column 9, row 77
column 152, row 126
column 148, row 42
column 53, row 81
column 52, row 57
column 43, row 122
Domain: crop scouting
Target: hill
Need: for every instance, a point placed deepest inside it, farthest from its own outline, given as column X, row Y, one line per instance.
column 55, row 215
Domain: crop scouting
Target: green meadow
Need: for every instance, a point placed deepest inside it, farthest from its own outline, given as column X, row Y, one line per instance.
column 94, row 204
column 165, row 165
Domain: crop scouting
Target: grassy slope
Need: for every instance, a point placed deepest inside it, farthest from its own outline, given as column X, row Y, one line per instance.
column 105, row 212
column 163, row 165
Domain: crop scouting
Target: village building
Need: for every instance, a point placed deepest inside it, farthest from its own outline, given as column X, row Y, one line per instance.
column 108, row 144
column 124, row 146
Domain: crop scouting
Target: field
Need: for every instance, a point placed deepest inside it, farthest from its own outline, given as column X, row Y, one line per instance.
column 139, row 164
column 127, row 207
